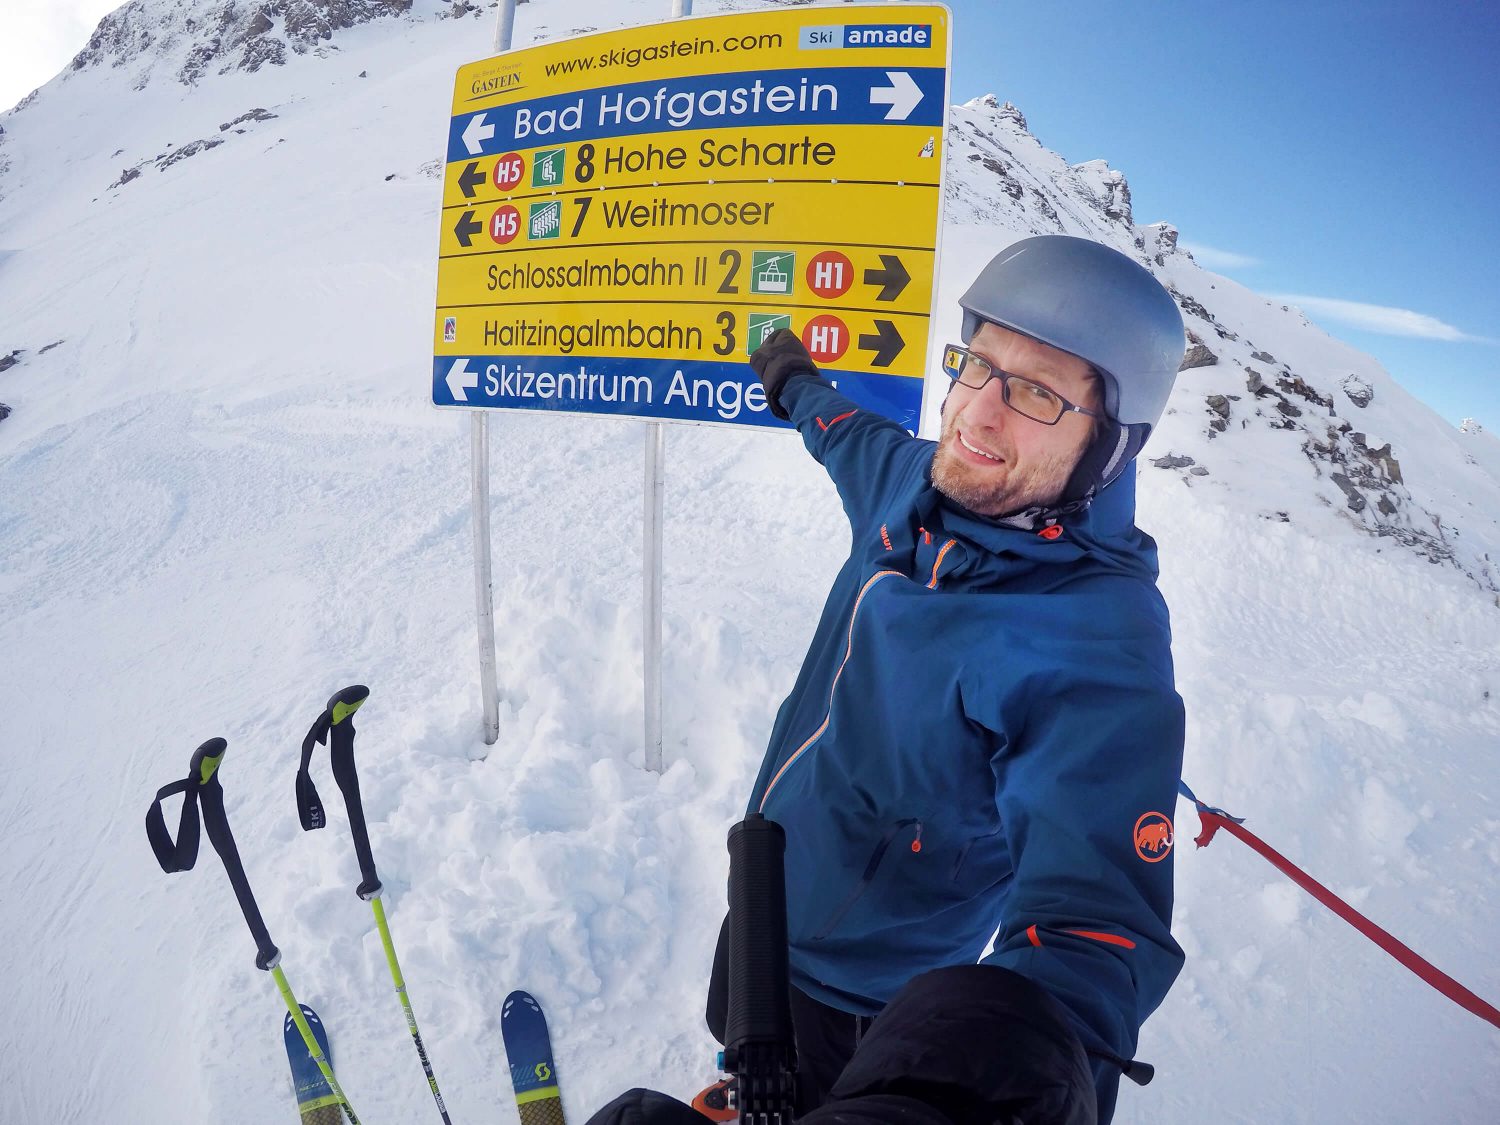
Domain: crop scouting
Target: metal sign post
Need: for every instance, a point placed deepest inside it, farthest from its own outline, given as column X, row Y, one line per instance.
column 479, row 504
column 627, row 216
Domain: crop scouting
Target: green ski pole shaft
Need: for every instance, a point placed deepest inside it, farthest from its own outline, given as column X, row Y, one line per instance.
column 411, row 1019
column 336, row 727
column 311, row 1041
column 201, row 788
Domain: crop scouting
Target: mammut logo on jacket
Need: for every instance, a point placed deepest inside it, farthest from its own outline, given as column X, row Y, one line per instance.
column 885, row 537
column 1153, row 837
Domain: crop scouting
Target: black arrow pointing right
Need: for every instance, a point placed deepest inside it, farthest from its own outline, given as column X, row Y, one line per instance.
column 471, row 179
column 886, row 343
column 893, row 277
column 467, row 226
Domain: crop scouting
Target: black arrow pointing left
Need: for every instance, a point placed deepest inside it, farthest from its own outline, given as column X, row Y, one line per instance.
column 467, row 227
column 893, row 277
column 471, row 179
column 886, row 343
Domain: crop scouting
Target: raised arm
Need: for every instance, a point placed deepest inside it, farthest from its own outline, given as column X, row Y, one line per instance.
column 869, row 457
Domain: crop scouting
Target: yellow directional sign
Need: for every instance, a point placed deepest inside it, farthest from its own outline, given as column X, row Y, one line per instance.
column 626, row 216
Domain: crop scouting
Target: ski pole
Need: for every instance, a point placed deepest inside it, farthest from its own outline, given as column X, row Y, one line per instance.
column 201, row 787
column 335, row 726
column 759, row 1048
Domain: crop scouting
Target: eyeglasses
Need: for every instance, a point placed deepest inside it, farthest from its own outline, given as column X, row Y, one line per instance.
column 1039, row 403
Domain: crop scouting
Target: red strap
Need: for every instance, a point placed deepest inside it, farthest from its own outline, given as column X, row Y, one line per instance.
column 1429, row 972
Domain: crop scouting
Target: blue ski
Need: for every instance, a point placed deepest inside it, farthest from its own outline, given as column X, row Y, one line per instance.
column 528, row 1048
column 315, row 1101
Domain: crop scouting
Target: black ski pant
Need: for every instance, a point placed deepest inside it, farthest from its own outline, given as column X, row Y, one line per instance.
column 825, row 1036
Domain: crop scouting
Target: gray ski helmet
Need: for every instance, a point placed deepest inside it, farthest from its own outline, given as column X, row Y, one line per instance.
column 1095, row 303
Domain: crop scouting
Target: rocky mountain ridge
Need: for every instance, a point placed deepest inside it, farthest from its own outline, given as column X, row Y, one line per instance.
column 1332, row 411
column 1233, row 385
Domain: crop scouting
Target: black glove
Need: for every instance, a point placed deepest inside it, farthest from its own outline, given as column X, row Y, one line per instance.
column 778, row 359
column 978, row 1044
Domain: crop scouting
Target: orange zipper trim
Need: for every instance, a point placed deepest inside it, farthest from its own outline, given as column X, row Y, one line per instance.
column 823, row 726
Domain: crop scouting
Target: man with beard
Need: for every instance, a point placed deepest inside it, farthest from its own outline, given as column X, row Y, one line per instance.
column 984, row 732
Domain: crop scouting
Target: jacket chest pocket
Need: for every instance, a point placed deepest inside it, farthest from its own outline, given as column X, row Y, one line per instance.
column 903, row 834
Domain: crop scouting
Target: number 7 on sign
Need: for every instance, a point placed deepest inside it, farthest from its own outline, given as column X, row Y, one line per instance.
column 583, row 202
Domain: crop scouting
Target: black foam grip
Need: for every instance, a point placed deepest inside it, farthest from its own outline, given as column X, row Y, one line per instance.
column 341, row 754
column 759, row 1004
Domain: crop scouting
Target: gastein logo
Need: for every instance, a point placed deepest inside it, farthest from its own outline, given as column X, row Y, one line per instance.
column 1153, row 837
column 481, row 87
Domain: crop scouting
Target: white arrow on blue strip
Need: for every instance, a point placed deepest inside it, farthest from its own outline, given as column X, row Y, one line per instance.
column 902, row 95
column 476, row 132
column 461, row 379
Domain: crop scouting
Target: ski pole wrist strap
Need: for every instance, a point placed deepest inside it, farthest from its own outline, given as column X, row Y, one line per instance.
column 309, row 806
column 179, row 854
column 335, row 726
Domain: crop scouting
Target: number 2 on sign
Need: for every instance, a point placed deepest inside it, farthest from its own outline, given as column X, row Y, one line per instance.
column 730, row 258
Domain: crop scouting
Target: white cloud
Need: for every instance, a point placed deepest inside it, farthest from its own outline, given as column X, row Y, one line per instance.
column 1378, row 318
column 1213, row 258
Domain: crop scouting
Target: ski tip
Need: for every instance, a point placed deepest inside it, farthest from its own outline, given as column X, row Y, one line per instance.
column 312, row 1018
column 522, row 998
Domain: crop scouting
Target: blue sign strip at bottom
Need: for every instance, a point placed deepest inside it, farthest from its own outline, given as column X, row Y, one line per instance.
column 694, row 391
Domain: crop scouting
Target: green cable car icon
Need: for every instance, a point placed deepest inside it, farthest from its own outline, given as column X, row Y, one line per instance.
column 770, row 271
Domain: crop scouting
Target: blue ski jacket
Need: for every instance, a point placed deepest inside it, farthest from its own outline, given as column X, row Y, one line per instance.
column 984, row 736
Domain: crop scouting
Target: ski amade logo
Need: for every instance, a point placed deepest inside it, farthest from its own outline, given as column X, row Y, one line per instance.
column 1153, row 837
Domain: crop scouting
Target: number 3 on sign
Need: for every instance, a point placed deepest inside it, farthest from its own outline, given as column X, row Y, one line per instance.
column 725, row 346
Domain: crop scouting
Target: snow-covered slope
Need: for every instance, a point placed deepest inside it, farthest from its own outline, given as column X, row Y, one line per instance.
column 225, row 495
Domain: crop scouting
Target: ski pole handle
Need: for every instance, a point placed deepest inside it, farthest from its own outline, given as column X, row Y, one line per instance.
column 206, row 760
column 340, row 712
column 205, row 770
column 758, row 1039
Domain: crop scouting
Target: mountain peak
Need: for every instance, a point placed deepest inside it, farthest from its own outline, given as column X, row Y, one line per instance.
column 221, row 35
column 1005, row 111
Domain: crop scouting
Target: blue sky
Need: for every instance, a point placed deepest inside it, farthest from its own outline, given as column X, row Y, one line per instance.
column 1347, row 155
column 1341, row 152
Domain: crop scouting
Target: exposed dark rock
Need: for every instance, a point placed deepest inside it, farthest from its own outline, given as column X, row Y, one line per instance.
column 9, row 361
column 1263, row 357
column 1173, row 461
column 252, row 115
column 1360, row 393
column 4, row 412
column 1286, row 407
column 1198, row 356
column 1219, row 404
column 192, row 148
column 236, row 36
column 49, row 347
column 126, row 176
column 1293, row 384
column 1352, row 495
column 1198, row 471
column 1195, row 307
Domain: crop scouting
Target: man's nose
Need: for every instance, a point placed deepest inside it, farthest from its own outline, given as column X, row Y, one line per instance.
column 987, row 407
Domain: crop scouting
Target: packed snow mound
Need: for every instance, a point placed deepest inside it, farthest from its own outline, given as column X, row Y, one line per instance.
column 226, row 495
